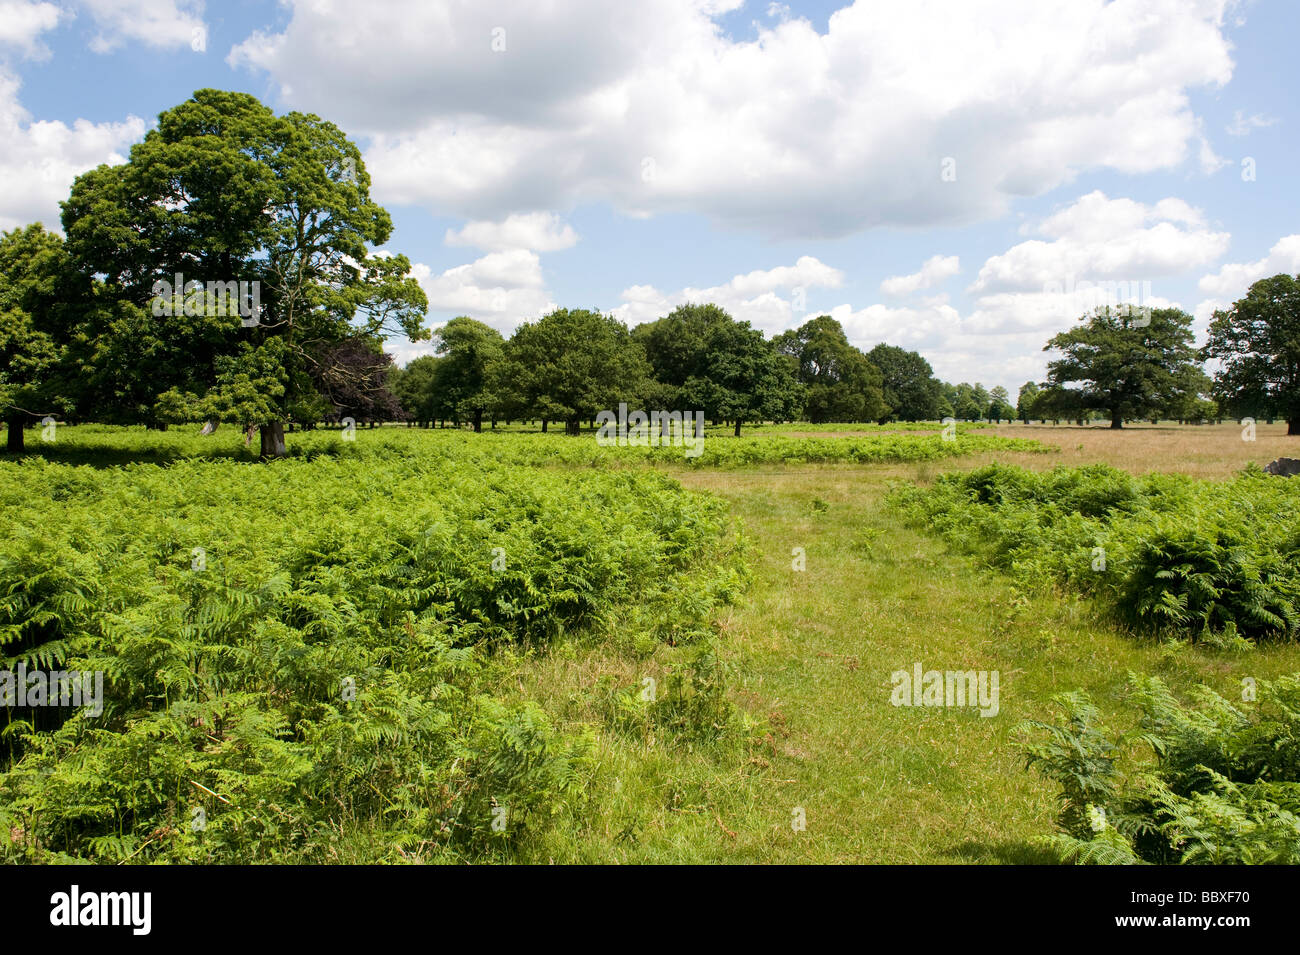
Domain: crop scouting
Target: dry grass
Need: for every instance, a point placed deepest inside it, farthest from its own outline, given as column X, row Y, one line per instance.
column 1202, row 451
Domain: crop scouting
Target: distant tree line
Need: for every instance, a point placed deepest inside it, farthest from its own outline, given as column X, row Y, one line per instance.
column 571, row 364
column 1118, row 364
column 129, row 319
column 1129, row 364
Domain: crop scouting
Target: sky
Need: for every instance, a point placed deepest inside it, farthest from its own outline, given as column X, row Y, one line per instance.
column 959, row 177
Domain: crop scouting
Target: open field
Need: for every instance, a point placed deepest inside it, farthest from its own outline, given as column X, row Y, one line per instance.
column 773, row 699
column 1203, row 451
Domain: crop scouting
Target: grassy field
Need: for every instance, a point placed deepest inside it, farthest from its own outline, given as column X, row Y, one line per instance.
column 814, row 650
column 814, row 764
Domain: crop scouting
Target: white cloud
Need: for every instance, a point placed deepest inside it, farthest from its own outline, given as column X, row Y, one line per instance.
column 934, row 270
column 1097, row 238
column 538, row 231
column 794, row 133
column 1242, row 124
column 22, row 22
column 751, row 297
column 1233, row 280
column 167, row 24
column 1095, row 250
column 501, row 288
column 41, row 158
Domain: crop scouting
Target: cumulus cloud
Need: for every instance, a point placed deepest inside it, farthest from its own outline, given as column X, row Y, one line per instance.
column 501, row 288
column 485, row 107
column 42, row 158
column 21, row 24
column 752, row 297
column 538, row 231
column 1093, row 251
column 166, row 24
column 1097, row 238
column 933, row 271
column 1232, row 281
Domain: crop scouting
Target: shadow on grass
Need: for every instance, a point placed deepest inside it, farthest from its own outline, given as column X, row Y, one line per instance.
column 105, row 455
column 109, row 457
column 1004, row 853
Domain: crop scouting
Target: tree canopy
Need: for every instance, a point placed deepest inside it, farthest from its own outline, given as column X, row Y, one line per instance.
column 226, row 197
column 840, row 382
column 911, row 391
column 1257, row 341
column 1125, row 365
column 572, row 363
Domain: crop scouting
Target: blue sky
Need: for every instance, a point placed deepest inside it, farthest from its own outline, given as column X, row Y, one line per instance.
column 939, row 175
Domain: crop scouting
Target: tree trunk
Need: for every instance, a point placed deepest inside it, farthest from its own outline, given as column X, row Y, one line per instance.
column 478, row 421
column 543, row 426
column 1292, row 427
column 15, row 439
column 738, row 427
column 572, row 426
column 272, row 439
column 1116, row 420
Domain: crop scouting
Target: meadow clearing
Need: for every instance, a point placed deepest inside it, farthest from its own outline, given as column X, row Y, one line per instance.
column 433, row 645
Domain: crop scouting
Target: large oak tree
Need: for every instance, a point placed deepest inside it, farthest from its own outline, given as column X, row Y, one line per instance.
column 223, row 190
column 1126, row 362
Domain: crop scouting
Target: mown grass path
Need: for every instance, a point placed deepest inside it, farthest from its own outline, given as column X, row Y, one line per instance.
column 815, row 650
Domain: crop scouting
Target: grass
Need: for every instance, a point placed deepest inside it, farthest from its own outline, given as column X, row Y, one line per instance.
column 810, row 655
column 814, row 650
column 1203, row 451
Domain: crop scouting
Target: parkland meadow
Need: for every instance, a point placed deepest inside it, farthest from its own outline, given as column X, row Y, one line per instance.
column 439, row 646
column 268, row 597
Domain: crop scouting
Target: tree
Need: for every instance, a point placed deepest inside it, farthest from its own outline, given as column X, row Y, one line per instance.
column 911, row 391
column 1190, row 399
column 353, row 379
column 841, row 383
column 966, row 408
column 465, row 378
column 1126, row 366
column 723, row 367
column 226, row 197
column 1058, row 404
column 415, row 389
column 1258, row 342
column 41, row 302
column 969, row 402
column 1029, row 392
column 1000, row 405
column 572, row 363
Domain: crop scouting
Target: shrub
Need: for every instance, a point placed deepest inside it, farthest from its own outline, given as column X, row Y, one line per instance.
column 1201, row 559
column 1221, row 784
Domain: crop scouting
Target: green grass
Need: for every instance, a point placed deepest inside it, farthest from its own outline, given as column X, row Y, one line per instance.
column 813, row 652
column 808, row 657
